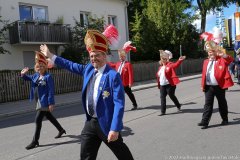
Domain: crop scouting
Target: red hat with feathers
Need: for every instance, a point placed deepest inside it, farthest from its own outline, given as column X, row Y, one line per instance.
column 40, row 58
column 97, row 41
column 212, row 40
column 127, row 47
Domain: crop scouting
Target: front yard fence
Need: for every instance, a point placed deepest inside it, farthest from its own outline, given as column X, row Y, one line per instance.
column 13, row 88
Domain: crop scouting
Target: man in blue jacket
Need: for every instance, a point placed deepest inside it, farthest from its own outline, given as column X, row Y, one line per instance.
column 237, row 60
column 102, row 98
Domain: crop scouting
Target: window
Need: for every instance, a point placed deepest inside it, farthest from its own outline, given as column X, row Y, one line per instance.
column 28, row 57
column 84, row 17
column 30, row 12
column 112, row 20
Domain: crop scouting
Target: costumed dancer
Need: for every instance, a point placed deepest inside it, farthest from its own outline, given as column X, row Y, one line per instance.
column 237, row 61
column 216, row 78
column 125, row 69
column 42, row 90
column 102, row 96
column 167, row 79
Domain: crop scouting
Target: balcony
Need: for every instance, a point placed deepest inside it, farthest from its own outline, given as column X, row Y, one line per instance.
column 30, row 32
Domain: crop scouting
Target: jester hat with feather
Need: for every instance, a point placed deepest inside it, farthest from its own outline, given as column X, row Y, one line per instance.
column 40, row 58
column 212, row 41
column 96, row 41
column 127, row 47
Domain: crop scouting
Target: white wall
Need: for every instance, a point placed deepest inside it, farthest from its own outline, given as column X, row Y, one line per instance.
column 9, row 10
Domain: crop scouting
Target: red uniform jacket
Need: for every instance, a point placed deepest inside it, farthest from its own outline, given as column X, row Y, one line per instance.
column 127, row 72
column 170, row 73
column 221, row 72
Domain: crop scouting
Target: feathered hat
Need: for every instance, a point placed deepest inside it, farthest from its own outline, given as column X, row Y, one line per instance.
column 127, row 47
column 212, row 40
column 99, row 42
column 40, row 58
column 165, row 54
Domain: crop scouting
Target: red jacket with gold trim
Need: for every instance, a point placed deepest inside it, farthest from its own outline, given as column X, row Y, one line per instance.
column 127, row 72
column 221, row 72
column 170, row 73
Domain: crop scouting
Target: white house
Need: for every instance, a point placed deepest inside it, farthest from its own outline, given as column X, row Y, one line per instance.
column 26, row 35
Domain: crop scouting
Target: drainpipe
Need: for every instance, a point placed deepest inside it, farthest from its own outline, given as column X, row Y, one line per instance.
column 126, row 25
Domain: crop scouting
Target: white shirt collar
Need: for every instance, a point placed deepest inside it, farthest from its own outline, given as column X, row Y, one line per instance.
column 101, row 70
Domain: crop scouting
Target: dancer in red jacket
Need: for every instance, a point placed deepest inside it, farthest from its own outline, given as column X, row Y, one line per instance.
column 125, row 69
column 167, row 79
column 215, row 80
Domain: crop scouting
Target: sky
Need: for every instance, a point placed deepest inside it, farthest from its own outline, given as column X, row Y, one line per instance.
column 211, row 19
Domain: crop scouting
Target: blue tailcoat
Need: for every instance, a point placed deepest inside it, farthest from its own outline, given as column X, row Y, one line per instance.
column 45, row 91
column 110, row 98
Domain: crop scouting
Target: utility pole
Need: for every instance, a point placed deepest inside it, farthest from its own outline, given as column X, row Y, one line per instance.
column 180, row 56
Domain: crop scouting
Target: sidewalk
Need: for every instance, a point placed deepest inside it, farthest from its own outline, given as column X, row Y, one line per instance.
column 25, row 106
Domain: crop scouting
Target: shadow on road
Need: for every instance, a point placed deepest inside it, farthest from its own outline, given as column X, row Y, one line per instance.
column 127, row 132
column 27, row 118
column 233, row 112
column 197, row 110
column 234, row 122
column 189, row 103
column 76, row 139
column 158, row 107
column 237, row 90
column 155, row 107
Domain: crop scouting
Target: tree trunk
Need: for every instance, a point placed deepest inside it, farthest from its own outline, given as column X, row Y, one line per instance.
column 203, row 21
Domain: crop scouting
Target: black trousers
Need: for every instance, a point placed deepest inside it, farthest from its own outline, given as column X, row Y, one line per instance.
column 238, row 75
column 38, row 121
column 131, row 96
column 210, row 93
column 91, row 139
column 168, row 90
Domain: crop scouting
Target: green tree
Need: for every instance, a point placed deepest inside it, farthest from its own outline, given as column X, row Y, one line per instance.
column 136, row 35
column 3, row 29
column 205, row 6
column 135, row 6
column 76, row 49
column 164, row 25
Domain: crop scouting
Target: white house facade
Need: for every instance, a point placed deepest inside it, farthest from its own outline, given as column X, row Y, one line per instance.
column 25, row 35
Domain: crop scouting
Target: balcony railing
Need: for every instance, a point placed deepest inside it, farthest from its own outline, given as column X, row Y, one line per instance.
column 22, row 32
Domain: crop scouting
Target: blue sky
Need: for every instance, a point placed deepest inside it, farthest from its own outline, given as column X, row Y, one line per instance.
column 211, row 19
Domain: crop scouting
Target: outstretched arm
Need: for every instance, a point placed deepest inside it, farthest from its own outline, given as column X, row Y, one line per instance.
column 23, row 74
column 44, row 49
column 64, row 63
column 228, row 59
column 24, row 71
column 180, row 60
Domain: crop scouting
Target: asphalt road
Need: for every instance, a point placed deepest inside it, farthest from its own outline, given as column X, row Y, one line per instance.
column 149, row 136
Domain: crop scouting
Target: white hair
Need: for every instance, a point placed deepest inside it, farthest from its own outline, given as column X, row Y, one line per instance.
column 169, row 54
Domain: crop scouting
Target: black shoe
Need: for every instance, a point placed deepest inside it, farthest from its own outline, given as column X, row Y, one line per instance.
column 162, row 114
column 179, row 108
column 60, row 133
column 204, row 127
column 134, row 108
column 32, row 145
column 224, row 122
column 202, row 124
